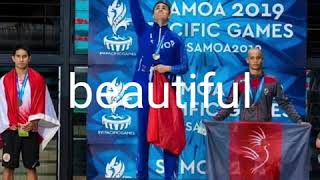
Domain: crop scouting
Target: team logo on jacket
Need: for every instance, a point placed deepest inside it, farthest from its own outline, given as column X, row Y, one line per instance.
column 117, row 20
column 168, row 44
column 114, row 169
column 116, row 121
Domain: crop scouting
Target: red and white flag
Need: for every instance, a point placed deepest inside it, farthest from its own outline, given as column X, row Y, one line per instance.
column 38, row 107
column 166, row 125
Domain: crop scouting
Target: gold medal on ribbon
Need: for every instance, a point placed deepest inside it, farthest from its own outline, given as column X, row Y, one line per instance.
column 156, row 56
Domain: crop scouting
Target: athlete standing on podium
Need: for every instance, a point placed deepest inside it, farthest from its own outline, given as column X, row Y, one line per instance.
column 263, row 89
column 161, row 50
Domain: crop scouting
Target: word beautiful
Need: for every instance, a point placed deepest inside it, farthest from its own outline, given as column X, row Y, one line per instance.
column 111, row 93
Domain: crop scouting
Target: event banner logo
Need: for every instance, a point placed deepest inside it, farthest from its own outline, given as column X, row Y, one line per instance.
column 116, row 121
column 107, row 125
column 111, row 33
column 116, row 19
column 111, row 162
column 115, row 168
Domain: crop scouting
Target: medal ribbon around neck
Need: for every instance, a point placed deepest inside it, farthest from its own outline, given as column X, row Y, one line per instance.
column 22, row 88
column 257, row 97
column 156, row 55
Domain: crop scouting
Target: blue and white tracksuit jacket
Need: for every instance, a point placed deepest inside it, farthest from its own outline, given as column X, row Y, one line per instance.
column 172, row 53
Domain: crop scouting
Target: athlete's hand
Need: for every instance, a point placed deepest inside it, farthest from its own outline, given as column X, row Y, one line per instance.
column 35, row 125
column 13, row 128
column 30, row 126
column 26, row 127
column 162, row 68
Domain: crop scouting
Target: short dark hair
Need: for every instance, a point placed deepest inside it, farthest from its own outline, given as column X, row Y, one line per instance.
column 23, row 47
column 162, row 2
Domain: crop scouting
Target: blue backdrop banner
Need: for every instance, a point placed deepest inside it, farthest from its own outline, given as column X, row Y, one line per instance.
column 217, row 37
